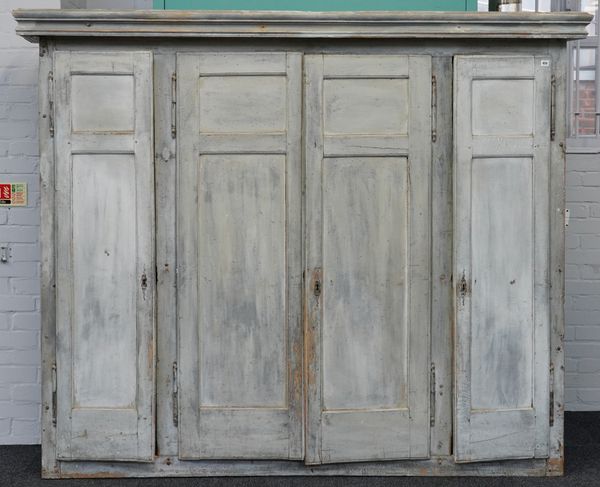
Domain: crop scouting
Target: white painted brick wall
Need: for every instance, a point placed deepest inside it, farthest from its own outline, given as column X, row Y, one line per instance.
column 582, row 307
column 19, row 230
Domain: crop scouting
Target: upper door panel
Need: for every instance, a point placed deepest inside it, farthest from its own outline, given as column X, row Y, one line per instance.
column 238, row 251
column 368, row 162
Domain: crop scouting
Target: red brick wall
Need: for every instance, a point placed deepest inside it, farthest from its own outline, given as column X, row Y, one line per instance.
column 587, row 108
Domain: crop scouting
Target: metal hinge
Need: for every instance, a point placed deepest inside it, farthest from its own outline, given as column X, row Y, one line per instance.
column 174, row 105
column 551, row 415
column 51, row 103
column 553, row 108
column 432, row 395
column 53, row 394
column 175, row 396
column 433, row 109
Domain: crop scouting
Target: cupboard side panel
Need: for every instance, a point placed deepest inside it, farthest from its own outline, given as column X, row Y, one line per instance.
column 50, row 467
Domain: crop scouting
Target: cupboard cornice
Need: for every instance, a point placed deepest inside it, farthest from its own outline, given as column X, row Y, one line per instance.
column 33, row 24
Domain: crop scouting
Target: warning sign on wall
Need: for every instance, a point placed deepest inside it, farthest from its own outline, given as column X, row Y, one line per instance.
column 13, row 194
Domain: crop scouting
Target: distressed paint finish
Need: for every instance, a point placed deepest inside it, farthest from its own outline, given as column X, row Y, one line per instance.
column 241, row 297
column 239, row 256
column 105, row 257
column 103, row 273
column 331, row 5
column 364, row 203
column 166, row 295
column 502, row 145
column 441, row 464
column 48, row 277
column 501, row 253
column 173, row 467
column 442, row 304
column 367, row 226
column 556, row 273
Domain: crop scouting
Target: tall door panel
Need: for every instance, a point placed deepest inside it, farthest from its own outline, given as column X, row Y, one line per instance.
column 105, row 256
column 368, row 162
column 502, row 136
column 239, row 256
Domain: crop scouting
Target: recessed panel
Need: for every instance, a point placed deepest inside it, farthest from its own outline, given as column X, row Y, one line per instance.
column 365, row 106
column 502, row 295
column 104, row 270
column 242, row 281
column 233, row 104
column 364, row 283
column 503, row 107
column 102, row 103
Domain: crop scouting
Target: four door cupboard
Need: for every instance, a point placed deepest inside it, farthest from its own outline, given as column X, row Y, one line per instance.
column 302, row 243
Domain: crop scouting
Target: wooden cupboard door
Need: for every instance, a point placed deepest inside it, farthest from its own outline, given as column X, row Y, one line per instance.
column 105, row 255
column 239, row 256
column 368, row 164
column 501, row 252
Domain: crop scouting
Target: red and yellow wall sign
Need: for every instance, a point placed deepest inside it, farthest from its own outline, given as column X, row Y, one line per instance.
column 13, row 194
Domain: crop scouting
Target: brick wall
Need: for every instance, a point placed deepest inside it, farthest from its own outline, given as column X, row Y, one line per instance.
column 582, row 307
column 586, row 120
column 19, row 229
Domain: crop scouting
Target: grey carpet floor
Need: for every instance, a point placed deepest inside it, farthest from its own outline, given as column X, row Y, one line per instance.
column 20, row 467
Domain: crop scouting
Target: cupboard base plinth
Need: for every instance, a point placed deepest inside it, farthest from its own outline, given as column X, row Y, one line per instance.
column 166, row 466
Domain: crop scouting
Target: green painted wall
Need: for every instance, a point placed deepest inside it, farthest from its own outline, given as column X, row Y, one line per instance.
column 316, row 5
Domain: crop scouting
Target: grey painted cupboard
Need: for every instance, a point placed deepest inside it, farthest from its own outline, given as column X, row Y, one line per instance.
column 286, row 243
